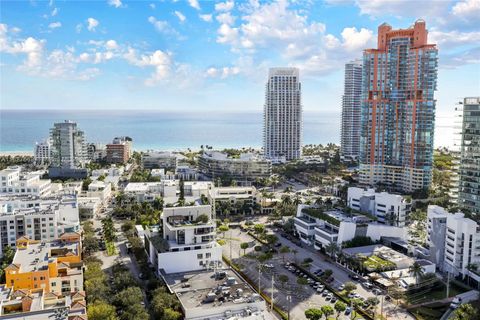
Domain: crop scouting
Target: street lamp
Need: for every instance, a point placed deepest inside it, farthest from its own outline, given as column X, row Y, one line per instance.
column 289, row 300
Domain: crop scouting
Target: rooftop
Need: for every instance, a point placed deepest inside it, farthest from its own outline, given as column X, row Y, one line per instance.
column 381, row 251
column 205, row 290
column 217, row 155
column 36, row 256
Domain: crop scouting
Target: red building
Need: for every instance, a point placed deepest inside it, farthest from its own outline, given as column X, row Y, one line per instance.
column 119, row 151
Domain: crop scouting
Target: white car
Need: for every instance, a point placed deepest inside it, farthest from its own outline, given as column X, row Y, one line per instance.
column 341, row 287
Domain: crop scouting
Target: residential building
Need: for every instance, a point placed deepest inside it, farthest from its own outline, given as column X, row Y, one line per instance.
column 392, row 209
column 188, row 242
column 96, row 152
column 120, row 150
column 200, row 296
column 168, row 189
column 320, row 229
column 55, row 266
column 36, row 304
column 459, row 239
column 283, row 124
column 89, row 207
column 351, row 112
column 469, row 173
column 100, row 189
column 398, row 109
column 235, row 199
column 15, row 182
column 39, row 219
column 456, row 152
column 42, row 152
column 160, row 160
column 68, row 145
column 245, row 167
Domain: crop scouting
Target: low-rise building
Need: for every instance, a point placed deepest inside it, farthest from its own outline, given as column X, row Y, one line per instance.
column 55, row 266
column 392, row 209
column 41, row 152
column 459, row 239
column 246, row 166
column 96, row 152
column 187, row 242
column 238, row 199
column 216, row 295
column 100, row 189
column 40, row 219
column 320, row 229
column 160, row 160
column 88, row 208
column 38, row 304
column 14, row 182
column 168, row 189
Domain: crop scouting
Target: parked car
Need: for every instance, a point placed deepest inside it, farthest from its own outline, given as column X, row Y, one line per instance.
column 367, row 285
column 341, row 287
column 348, row 310
column 333, row 300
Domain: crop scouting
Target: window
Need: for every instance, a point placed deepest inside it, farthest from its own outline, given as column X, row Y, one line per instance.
column 208, row 255
column 54, row 284
column 200, row 256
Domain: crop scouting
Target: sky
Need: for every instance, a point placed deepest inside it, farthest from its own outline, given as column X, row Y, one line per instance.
column 198, row 56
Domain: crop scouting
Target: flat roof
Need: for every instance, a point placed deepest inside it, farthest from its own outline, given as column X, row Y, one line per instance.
column 379, row 250
column 192, row 289
column 37, row 255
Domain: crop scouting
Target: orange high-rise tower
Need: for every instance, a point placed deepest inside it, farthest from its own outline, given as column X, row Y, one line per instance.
column 398, row 109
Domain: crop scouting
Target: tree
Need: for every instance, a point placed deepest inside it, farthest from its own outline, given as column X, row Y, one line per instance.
column 223, row 228
column 416, row 271
column 170, row 314
column 283, row 279
column 327, row 311
column 271, row 239
column 163, row 301
column 465, row 312
column 302, row 281
column 259, row 229
column 373, row 301
column 128, row 297
column 101, row 310
column 135, row 312
column 313, row 314
column 332, row 249
column 284, row 250
column 350, row 286
column 182, row 191
column 327, row 273
column 340, row 307
column 244, row 246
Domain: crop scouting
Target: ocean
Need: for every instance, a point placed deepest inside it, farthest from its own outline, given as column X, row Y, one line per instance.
column 20, row 129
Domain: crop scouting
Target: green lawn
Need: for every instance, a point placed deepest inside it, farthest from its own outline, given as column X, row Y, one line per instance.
column 376, row 263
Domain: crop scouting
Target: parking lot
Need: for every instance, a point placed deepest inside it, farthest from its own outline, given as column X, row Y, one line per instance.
column 290, row 294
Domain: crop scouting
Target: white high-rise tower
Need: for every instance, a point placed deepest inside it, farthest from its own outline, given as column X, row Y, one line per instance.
column 68, row 148
column 351, row 111
column 282, row 132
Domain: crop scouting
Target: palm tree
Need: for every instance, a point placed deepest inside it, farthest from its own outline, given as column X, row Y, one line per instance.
column 294, row 251
column 297, row 200
column 416, row 271
column 332, row 249
column 286, row 199
column 319, row 201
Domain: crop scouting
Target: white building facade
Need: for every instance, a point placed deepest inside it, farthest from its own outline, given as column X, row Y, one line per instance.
column 15, row 182
column 351, row 112
column 69, row 149
column 42, row 152
column 392, row 209
column 283, row 122
column 188, row 242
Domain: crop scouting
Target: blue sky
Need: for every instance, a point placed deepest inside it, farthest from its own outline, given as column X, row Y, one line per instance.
column 212, row 56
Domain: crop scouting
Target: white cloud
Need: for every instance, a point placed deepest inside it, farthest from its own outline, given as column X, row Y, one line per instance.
column 180, row 16
column 111, row 44
column 354, row 40
column 15, row 30
column 55, row 25
column 226, row 34
column 92, row 24
column 152, row 5
column 206, row 17
column 226, row 18
column 467, row 9
column 78, row 28
column 223, row 73
column 224, row 6
column 163, row 26
column 159, row 60
column 115, row 3
column 451, row 39
column 54, row 12
column 194, row 4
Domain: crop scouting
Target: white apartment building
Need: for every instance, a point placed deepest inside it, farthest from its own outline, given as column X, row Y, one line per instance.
column 392, row 209
column 283, row 124
column 43, row 220
column 351, row 112
column 239, row 197
column 14, row 182
column 168, row 189
column 100, row 189
column 456, row 151
column 160, row 160
column 246, row 167
column 188, row 242
column 460, row 242
column 323, row 228
column 41, row 152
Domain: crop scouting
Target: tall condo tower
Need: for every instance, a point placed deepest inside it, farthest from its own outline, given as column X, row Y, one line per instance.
column 469, row 173
column 68, row 149
column 398, row 109
column 282, row 132
column 351, row 111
